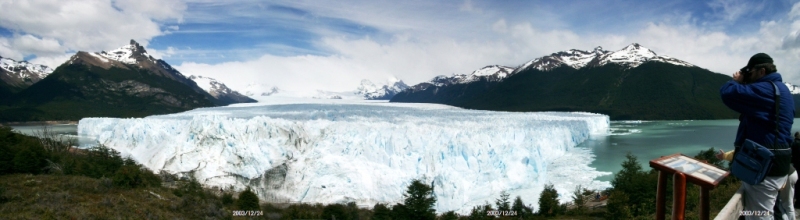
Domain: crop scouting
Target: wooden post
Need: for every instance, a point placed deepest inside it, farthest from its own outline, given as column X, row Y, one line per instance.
column 704, row 203
column 678, row 196
column 661, row 196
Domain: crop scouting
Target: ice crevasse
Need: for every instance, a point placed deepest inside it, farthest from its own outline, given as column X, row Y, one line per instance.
column 322, row 153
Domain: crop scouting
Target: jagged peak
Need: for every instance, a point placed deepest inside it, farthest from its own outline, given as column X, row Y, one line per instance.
column 128, row 54
column 630, row 56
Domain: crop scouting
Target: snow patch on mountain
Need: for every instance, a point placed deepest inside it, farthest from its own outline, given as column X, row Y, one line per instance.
column 219, row 90
column 492, row 73
column 795, row 90
column 25, row 70
column 257, row 89
column 370, row 91
column 630, row 57
column 127, row 54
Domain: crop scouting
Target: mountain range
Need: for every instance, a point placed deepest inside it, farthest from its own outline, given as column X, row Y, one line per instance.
column 125, row 82
column 370, row 91
column 633, row 83
column 16, row 76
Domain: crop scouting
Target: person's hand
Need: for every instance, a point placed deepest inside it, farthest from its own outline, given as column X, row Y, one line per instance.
column 738, row 77
column 721, row 154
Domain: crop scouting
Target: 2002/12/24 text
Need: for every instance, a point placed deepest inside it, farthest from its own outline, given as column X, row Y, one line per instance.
column 247, row 213
column 501, row 213
column 754, row 213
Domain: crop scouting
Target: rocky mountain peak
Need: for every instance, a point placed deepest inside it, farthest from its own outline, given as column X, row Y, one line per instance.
column 630, row 56
column 369, row 90
column 22, row 73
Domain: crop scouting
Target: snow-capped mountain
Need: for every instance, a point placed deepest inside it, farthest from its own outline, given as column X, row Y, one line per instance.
column 22, row 74
column 135, row 55
column 491, row 73
column 256, row 89
column 795, row 90
column 220, row 90
column 631, row 56
column 369, row 90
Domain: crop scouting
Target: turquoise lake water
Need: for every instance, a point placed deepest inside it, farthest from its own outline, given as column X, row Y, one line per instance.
column 652, row 139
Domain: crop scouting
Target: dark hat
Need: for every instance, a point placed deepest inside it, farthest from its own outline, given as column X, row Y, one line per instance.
column 759, row 58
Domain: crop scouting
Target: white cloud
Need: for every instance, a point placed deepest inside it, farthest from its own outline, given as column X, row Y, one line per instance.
column 155, row 9
column 29, row 44
column 7, row 51
column 82, row 25
column 731, row 10
column 158, row 54
column 52, row 61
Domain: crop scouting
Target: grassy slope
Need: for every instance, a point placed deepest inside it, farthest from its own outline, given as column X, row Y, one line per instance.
column 77, row 197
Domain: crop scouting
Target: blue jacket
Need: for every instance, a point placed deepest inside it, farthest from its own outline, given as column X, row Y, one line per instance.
column 756, row 103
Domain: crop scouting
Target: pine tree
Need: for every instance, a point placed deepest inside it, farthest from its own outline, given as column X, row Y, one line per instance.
column 381, row 212
column 419, row 201
column 335, row 211
column 519, row 207
column 548, row 201
column 399, row 211
column 248, row 200
column 451, row 215
column 579, row 199
column 618, row 206
column 502, row 203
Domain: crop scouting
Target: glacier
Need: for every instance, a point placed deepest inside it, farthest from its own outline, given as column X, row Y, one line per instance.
column 367, row 152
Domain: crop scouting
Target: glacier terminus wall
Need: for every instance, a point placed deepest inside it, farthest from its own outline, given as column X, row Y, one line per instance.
column 364, row 152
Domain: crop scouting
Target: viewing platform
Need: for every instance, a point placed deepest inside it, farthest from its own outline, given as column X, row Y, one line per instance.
column 734, row 206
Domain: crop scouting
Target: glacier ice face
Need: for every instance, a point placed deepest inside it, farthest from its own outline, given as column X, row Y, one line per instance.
column 367, row 152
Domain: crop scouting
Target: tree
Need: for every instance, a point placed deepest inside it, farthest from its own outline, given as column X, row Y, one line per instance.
column 6, row 159
column 248, row 200
column 29, row 160
column 451, row 215
column 710, row 156
column 381, row 212
column 579, row 199
column 548, row 201
column 637, row 185
column 519, row 207
column 481, row 212
column 227, row 198
column 502, row 203
column 419, row 201
column 618, row 206
column 335, row 211
column 399, row 211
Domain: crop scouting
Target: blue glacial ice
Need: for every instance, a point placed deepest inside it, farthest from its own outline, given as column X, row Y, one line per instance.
column 365, row 152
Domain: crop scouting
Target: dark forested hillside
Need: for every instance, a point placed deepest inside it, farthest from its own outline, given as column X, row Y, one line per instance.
column 651, row 91
column 74, row 91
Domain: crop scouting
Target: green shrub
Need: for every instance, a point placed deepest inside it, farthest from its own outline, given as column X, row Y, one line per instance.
column 6, row 160
column 451, row 215
column 29, row 160
column 381, row 212
column 335, row 211
column 247, row 200
column 227, row 198
column 134, row 176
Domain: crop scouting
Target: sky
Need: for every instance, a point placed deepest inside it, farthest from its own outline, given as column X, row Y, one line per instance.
column 333, row 45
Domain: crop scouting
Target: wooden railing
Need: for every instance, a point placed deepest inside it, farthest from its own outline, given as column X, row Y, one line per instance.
column 733, row 208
